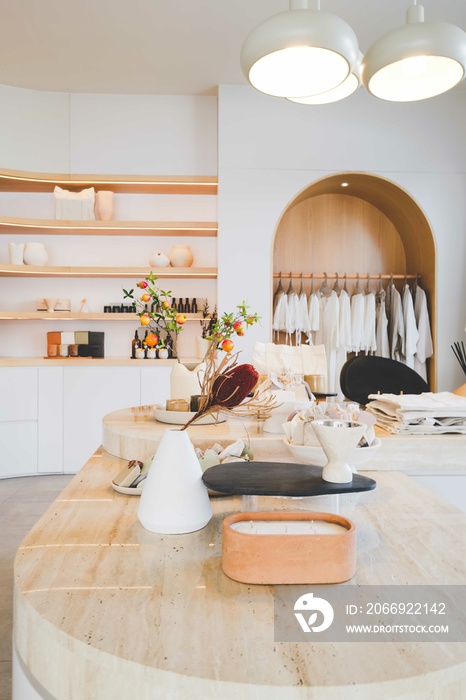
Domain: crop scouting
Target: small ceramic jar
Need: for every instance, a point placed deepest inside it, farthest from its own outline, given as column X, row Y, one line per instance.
column 151, row 353
column 140, row 353
column 63, row 350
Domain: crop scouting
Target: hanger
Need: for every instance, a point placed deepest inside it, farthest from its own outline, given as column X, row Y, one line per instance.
column 357, row 289
column 324, row 288
column 367, row 284
column 344, row 286
column 336, row 286
column 290, row 286
column 380, row 283
column 312, row 283
column 301, row 289
column 280, row 286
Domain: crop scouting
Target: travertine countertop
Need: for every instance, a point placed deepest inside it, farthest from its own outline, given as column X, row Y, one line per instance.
column 107, row 610
column 133, row 433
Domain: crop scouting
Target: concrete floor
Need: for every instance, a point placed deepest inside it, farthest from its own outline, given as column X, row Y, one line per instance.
column 22, row 501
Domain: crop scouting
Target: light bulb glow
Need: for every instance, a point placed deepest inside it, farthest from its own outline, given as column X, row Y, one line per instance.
column 297, row 71
column 416, row 78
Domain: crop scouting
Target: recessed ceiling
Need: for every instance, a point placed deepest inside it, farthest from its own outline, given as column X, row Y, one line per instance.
column 165, row 47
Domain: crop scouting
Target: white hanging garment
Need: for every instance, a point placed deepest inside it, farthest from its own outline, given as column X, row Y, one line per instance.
column 292, row 314
column 305, row 326
column 331, row 337
column 396, row 324
column 425, row 346
column 314, row 314
column 357, row 321
column 411, row 332
column 369, row 343
column 279, row 315
column 381, row 327
column 345, row 346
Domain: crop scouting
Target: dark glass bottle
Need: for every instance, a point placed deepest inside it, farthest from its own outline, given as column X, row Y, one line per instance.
column 136, row 343
column 144, row 345
column 169, row 345
column 180, row 306
column 173, row 303
column 187, row 307
column 194, row 306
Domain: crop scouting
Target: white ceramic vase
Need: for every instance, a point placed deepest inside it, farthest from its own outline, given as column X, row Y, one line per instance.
column 16, row 252
column 184, row 382
column 35, row 254
column 181, row 256
column 159, row 260
column 174, row 500
column 104, row 205
column 163, row 353
column 338, row 440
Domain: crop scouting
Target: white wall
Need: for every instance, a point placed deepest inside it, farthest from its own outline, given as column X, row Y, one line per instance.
column 271, row 149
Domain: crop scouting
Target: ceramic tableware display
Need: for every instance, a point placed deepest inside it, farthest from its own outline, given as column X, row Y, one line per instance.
column 50, row 303
column 35, row 254
column 175, row 499
column 159, row 260
column 16, row 251
column 181, row 256
column 104, row 205
column 338, row 439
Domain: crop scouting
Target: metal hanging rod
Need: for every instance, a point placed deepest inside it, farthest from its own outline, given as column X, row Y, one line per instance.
column 342, row 276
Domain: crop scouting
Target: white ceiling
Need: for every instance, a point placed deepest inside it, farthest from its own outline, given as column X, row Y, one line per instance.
column 171, row 47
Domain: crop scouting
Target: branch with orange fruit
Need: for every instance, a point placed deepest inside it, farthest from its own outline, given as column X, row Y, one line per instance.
column 162, row 319
column 231, row 325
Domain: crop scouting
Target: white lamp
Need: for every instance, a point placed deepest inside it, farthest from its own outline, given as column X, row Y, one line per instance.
column 345, row 89
column 300, row 52
column 416, row 61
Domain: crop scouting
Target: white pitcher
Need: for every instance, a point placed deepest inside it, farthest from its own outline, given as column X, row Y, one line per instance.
column 16, row 251
column 35, row 254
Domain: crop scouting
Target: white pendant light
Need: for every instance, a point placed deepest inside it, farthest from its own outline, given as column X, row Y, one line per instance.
column 345, row 89
column 416, row 61
column 300, row 52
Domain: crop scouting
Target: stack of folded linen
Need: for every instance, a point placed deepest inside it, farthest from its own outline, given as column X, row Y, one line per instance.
column 419, row 414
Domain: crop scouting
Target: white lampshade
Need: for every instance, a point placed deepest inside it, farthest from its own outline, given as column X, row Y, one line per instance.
column 416, row 61
column 300, row 52
column 345, row 89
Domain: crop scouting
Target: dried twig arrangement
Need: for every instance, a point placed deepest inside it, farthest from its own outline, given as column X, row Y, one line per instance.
column 460, row 354
column 225, row 386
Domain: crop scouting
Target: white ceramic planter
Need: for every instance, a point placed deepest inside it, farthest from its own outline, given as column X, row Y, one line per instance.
column 159, row 260
column 181, row 256
column 338, row 440
column 35, row 254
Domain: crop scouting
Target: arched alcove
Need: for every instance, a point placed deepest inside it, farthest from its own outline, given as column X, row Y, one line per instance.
column 368, row 226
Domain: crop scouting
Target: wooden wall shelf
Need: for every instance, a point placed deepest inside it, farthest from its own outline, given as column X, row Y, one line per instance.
column 21, row 181
column 121, row 272
column 11, row 224
column 76, row 316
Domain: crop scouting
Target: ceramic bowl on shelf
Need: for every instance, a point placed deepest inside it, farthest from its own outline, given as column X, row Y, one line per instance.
column 314, row 454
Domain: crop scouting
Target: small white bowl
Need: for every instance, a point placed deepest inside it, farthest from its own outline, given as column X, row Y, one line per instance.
column 314, row 454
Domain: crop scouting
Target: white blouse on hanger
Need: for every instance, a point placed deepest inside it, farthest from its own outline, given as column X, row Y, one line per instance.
column 381, row 332
column 330, row 331
column 425, row 346
column 411, row 333
column 396, row 324
column 357, row 321
column 369, row 343
column 345, row 344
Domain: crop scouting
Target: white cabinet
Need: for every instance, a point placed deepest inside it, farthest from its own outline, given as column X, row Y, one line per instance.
column 18, row 393
column 18, row 454
column 89, row 394
column 50, row 420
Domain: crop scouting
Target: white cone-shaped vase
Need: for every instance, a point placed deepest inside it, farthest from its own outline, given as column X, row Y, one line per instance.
column 338, row 439
column 174, row 500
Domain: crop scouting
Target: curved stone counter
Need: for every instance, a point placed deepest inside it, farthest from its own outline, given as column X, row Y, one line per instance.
column 133, row 433
column 105, row 610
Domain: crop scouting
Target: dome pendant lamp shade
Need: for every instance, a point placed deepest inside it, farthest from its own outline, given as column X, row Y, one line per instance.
column 345, row 89
column 299, row 53
column 416, row 61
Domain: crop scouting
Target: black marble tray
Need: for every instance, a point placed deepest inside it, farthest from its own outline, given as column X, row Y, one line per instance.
column 278, row 479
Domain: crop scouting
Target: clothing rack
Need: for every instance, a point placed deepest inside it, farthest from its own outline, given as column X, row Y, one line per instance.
column 343, row 276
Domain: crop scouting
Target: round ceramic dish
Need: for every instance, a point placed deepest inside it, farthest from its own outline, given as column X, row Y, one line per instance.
column 314, row 454
column 182, row 417
column 128, row 491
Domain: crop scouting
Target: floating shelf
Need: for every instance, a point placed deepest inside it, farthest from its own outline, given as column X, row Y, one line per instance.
column 75, row 316
column 14, row 225
column 21, row 181
column 136, row 272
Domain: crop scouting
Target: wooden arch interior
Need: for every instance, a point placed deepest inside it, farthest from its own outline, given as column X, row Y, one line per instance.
column 368, row 227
